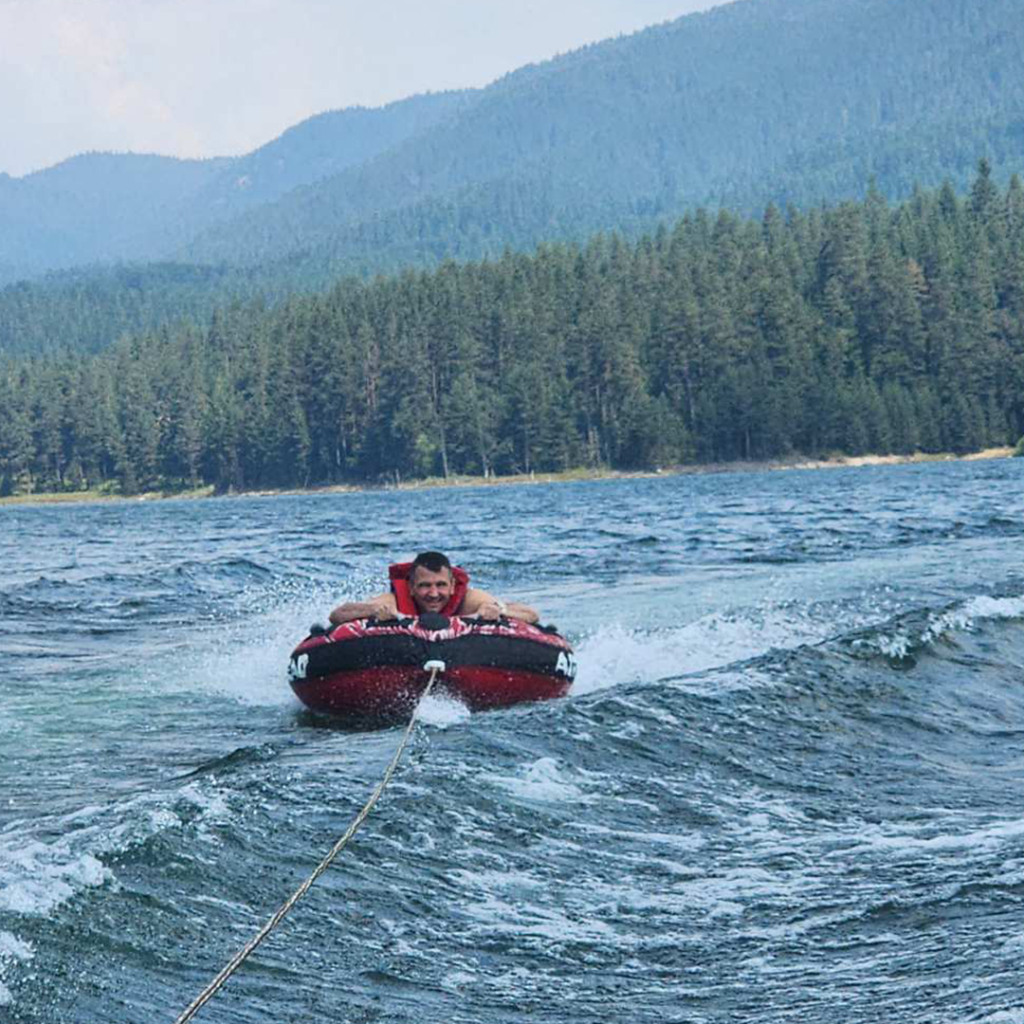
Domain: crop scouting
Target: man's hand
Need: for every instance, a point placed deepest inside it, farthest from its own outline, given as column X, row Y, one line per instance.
column 491, row 610
column 384, row 613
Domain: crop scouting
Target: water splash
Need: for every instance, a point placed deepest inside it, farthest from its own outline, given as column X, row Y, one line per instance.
column 441, row 710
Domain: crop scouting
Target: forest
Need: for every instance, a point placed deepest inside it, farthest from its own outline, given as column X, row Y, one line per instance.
column 861, row 327
column 792, row 102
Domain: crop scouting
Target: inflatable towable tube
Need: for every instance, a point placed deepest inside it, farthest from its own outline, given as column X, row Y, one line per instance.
column 370, row 669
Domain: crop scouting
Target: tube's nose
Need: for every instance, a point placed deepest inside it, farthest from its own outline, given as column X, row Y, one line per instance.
column 431, row 620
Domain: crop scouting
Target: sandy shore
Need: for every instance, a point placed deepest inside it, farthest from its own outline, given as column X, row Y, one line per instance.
column 773, row 465
column 890, row 460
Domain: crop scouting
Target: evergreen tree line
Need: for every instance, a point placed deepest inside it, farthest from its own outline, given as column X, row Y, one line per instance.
column 859, row 328
column 87, row 311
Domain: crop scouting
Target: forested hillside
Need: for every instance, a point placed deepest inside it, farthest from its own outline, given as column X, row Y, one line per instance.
column 103, row 207
column 862, row 327
column 757, row 101
column 785, row 101
column 91, row 208
column 88, row 312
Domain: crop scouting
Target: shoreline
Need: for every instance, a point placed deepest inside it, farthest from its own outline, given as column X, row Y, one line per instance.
column 845, row 461
column 568, row 476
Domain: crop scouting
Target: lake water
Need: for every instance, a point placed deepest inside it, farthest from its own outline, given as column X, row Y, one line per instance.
column 788, row 783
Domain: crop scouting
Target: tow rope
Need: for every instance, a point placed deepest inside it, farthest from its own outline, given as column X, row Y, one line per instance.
column 434, row 668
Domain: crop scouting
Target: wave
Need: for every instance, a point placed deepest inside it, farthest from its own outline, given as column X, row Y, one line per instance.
column 37, row 875
column 12, row 952
column 903, row 639
column 702, row 791
column 52, row 860
column 240, row 758
column 190, row 584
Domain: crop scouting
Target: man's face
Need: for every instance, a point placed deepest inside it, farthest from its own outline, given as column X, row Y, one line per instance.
column 430, row 590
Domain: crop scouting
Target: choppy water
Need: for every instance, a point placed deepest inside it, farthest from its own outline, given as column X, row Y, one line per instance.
column 788, row 783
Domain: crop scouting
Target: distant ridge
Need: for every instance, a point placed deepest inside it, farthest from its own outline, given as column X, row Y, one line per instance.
column 753, row 102
column 108, row 207
column 756, row 102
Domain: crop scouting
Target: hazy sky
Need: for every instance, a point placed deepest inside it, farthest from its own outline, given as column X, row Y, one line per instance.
column 221, row 77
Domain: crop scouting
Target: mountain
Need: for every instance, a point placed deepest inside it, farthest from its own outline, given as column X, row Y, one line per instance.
column 94, row 207
column 761, row 101
column 315, row 150
column 104, row 207
column 754, row 102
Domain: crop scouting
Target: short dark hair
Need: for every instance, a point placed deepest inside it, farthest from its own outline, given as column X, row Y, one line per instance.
column 432, row 561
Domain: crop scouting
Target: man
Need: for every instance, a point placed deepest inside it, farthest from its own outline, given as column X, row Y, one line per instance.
column 430, row 583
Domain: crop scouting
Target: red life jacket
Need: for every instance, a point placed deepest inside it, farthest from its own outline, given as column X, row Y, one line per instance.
column 399, row 574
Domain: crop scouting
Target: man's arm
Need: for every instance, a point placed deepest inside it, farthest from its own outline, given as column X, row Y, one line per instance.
column 381, row 607
column 523, row 612
column 479, row 602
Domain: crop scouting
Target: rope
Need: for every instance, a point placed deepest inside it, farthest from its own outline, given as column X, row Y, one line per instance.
column 243, row 954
